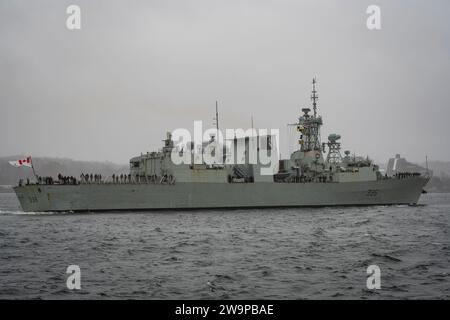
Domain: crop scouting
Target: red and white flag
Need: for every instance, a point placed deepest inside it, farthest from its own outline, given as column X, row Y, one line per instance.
column 22, row 162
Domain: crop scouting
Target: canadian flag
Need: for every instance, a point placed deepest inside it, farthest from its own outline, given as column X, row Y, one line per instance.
column 22, row 162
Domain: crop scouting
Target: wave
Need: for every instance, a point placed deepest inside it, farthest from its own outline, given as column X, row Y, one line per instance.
column 19, row 212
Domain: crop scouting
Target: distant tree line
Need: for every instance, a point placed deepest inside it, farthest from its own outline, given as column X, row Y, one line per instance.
column 439, row 184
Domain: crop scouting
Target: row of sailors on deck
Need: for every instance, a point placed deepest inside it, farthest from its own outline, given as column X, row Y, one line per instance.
column 84, row 178
column 50, row 180
column 401, row 175
column 97, row 178
column 123, row 178
column 66, row 179
column 128, row 178
column 45, row 180
column 91, row 178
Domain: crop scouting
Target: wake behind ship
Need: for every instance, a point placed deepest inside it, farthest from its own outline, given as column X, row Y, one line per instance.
column 307, row 178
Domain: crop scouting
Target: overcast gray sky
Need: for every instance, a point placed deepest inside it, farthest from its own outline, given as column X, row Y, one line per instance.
column 137, row 69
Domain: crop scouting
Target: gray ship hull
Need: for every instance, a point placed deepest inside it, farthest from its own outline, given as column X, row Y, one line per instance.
column 117, row 197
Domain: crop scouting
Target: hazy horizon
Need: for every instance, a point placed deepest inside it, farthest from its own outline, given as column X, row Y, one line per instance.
column 137, row 69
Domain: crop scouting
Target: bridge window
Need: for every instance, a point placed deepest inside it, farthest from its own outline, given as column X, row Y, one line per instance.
column 135, row 164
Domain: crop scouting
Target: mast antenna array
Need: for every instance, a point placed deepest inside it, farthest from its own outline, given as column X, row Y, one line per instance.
column 314, row 97
column 217, row 116
column 216, row 120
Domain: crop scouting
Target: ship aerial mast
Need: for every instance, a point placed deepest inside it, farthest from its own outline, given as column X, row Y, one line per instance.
column 217, row 118
column 314, row 97
column 308, row 126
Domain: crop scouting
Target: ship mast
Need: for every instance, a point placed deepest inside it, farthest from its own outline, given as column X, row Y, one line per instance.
column 217, row 118
column 314, row 97
column 308, row 126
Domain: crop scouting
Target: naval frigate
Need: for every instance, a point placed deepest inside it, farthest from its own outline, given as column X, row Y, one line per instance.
column 308, row 178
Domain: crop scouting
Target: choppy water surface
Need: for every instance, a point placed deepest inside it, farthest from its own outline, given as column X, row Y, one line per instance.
column 238, row 254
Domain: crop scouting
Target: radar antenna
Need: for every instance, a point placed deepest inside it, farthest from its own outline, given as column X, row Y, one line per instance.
column 216, row 119
column 334, row 149
column 314, row 96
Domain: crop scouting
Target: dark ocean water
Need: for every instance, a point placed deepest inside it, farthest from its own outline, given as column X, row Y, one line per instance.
column 239, row 254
